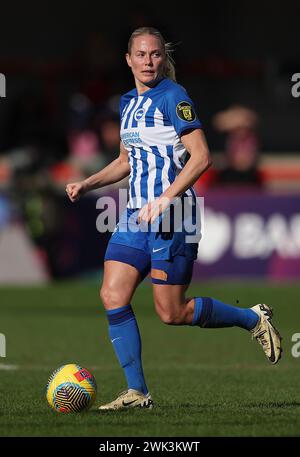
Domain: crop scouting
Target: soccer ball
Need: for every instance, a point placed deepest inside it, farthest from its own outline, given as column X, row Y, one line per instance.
column 71, row 388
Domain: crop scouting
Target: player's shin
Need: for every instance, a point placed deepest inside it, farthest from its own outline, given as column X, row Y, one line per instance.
column 126, row 340
column 212, row 313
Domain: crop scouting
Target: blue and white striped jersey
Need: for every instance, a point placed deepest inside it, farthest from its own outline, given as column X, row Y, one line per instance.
column 151, row 125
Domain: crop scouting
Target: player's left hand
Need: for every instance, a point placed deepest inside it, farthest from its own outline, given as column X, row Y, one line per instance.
column 152, row 210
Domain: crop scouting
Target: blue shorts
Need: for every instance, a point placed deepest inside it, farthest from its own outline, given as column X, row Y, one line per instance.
column 165, row 254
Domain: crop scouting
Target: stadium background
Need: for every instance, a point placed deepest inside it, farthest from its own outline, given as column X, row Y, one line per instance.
column 65, row 70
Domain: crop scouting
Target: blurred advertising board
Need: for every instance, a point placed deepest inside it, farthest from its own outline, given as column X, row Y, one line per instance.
column 250, row 234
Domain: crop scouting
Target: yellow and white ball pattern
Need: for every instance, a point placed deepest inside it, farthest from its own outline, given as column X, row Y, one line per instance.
column 71, row 388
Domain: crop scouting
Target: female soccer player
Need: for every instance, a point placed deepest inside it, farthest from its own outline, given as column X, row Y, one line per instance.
column 159, row 127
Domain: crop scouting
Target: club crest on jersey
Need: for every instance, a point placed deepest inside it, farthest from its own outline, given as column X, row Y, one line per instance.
column 185, row 111
column 139, row 114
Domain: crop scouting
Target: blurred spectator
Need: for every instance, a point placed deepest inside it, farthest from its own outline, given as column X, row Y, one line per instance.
column 109, row 132
column 84, row 151
column 96, row 65
column 239, row 123
column 31, row 139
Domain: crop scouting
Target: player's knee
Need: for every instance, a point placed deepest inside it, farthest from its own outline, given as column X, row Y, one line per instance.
column 166, row 314
column 111, row 298
column 168, row 318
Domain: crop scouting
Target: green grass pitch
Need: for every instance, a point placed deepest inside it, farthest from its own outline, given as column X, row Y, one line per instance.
column 205, row 382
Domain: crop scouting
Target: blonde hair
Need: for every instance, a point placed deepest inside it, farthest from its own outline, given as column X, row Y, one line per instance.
column 169, row 68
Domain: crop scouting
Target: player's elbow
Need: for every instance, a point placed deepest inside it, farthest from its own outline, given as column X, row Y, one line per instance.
column 201, row 158
column 209, row 162
column 205, row 162
column 124, row 166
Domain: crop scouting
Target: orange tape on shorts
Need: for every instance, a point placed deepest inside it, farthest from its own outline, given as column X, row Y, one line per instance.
column 159, row 274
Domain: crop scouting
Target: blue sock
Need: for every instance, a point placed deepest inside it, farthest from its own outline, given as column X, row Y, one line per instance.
column 125, row 337
column 212, row 313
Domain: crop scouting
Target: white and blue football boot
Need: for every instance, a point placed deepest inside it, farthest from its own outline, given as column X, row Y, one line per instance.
column 266, row 334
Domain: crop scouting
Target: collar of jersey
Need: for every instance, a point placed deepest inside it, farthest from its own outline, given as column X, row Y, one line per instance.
column 151, row 88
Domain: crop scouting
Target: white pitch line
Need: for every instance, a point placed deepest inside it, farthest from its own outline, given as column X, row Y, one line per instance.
column 4, row 366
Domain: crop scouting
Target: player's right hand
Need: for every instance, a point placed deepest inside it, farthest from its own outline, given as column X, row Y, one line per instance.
column 75, row 190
